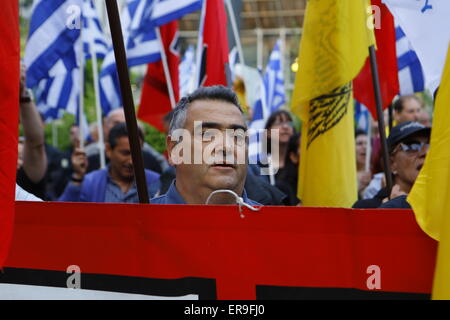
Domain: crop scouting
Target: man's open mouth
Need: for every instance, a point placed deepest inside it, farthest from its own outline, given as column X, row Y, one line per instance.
column 223, row 165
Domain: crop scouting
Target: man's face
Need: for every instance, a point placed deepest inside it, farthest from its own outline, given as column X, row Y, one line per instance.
column 211, row 144
column 75, row 136
column 407, row 163
column 410, row 112
column 424, row 118
column 120, row 159
column 361, row 148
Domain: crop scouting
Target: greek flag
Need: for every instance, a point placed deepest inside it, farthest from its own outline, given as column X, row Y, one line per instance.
column 54, row 32
column 169, row 10
column 141, row 45
column 187, row 72
column 273, row 97
column 362, row 117
column 410, row 73
column 60, row 93
column 140, row 17
column 426, row 23
column 93, row 34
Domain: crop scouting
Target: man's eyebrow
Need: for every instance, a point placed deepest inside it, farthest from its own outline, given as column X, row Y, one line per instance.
column 238, row 126
column 215, row 125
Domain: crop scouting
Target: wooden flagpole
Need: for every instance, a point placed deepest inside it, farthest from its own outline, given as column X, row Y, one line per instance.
column 127, row 98
column 381, row 125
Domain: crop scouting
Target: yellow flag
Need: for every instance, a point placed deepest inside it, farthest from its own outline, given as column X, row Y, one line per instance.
column 333, row 49
column 430, row 195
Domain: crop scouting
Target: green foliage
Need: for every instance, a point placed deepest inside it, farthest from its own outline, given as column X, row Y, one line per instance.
column 61, row 128
column 155, row 138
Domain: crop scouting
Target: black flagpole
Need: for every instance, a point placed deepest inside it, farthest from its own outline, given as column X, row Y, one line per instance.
column 381, row 125
column 127, row 98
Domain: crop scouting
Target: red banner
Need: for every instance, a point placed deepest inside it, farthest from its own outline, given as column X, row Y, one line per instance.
column 214, row 253
column 9, row 118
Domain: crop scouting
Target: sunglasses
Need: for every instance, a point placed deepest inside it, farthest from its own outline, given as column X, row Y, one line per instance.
column 413, row 146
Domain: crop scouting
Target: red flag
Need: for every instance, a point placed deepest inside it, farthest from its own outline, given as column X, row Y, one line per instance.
column 155, row 100
column 213, row 29
column 9, row 119
column 387, row 65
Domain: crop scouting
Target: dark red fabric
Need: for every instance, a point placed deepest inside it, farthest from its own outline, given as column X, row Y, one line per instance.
column 9, row 118
column 387, row 65
column 215, row 42
column 277, row 246
column 155, row 100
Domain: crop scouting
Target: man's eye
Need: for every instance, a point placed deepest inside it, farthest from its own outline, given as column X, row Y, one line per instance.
column 207, row 134
column 239, row 139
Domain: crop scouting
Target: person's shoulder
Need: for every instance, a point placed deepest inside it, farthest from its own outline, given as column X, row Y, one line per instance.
column 253, row 203
column 159, row 200
column 153, row 175
column 94, row 175
column 367, row 203
column 396, row 203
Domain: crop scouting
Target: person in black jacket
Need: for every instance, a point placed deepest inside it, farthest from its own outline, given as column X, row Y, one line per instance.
column 408, row 145
column 287, row 179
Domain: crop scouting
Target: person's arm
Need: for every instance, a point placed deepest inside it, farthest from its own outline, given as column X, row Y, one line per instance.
column 34, row 157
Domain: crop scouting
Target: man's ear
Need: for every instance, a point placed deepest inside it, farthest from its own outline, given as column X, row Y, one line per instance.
column 170, row 145
column 294, row 157
column 108, row 150
column 393, row 164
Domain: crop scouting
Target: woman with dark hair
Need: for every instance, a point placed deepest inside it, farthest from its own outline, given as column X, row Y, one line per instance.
column 280, row 120
column 287, row 179
column 364, row 175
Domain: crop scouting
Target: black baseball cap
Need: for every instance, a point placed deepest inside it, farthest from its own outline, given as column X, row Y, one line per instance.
column 405, row 130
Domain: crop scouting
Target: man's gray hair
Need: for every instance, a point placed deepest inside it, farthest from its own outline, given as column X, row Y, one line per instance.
column 220, row 93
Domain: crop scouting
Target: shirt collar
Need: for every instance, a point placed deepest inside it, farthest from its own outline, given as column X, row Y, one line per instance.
column 173, row 196
column 109, row 179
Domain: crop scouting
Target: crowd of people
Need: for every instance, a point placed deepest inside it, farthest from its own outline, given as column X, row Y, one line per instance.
column 44, row 172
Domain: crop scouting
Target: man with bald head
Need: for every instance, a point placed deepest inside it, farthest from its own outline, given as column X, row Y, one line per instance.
column 152, row 159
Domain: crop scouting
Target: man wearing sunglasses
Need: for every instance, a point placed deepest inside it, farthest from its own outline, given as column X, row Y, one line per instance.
column 408, row 144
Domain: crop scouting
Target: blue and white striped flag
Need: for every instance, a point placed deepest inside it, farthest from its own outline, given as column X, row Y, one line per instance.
column 60, row 93
column 168, row 10
column 187, row 72
column 362, row 117
column 54, row 32
column 140, row 18
column 426, row 23
column 273, row 97
column 410, row 73
column 141, row 45
column 93, row 32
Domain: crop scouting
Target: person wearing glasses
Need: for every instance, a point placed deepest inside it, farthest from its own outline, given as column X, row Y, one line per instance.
column 408, row 144
column 208, row 146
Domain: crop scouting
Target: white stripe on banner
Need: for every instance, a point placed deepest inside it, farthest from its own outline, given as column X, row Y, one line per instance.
column 26, row 292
